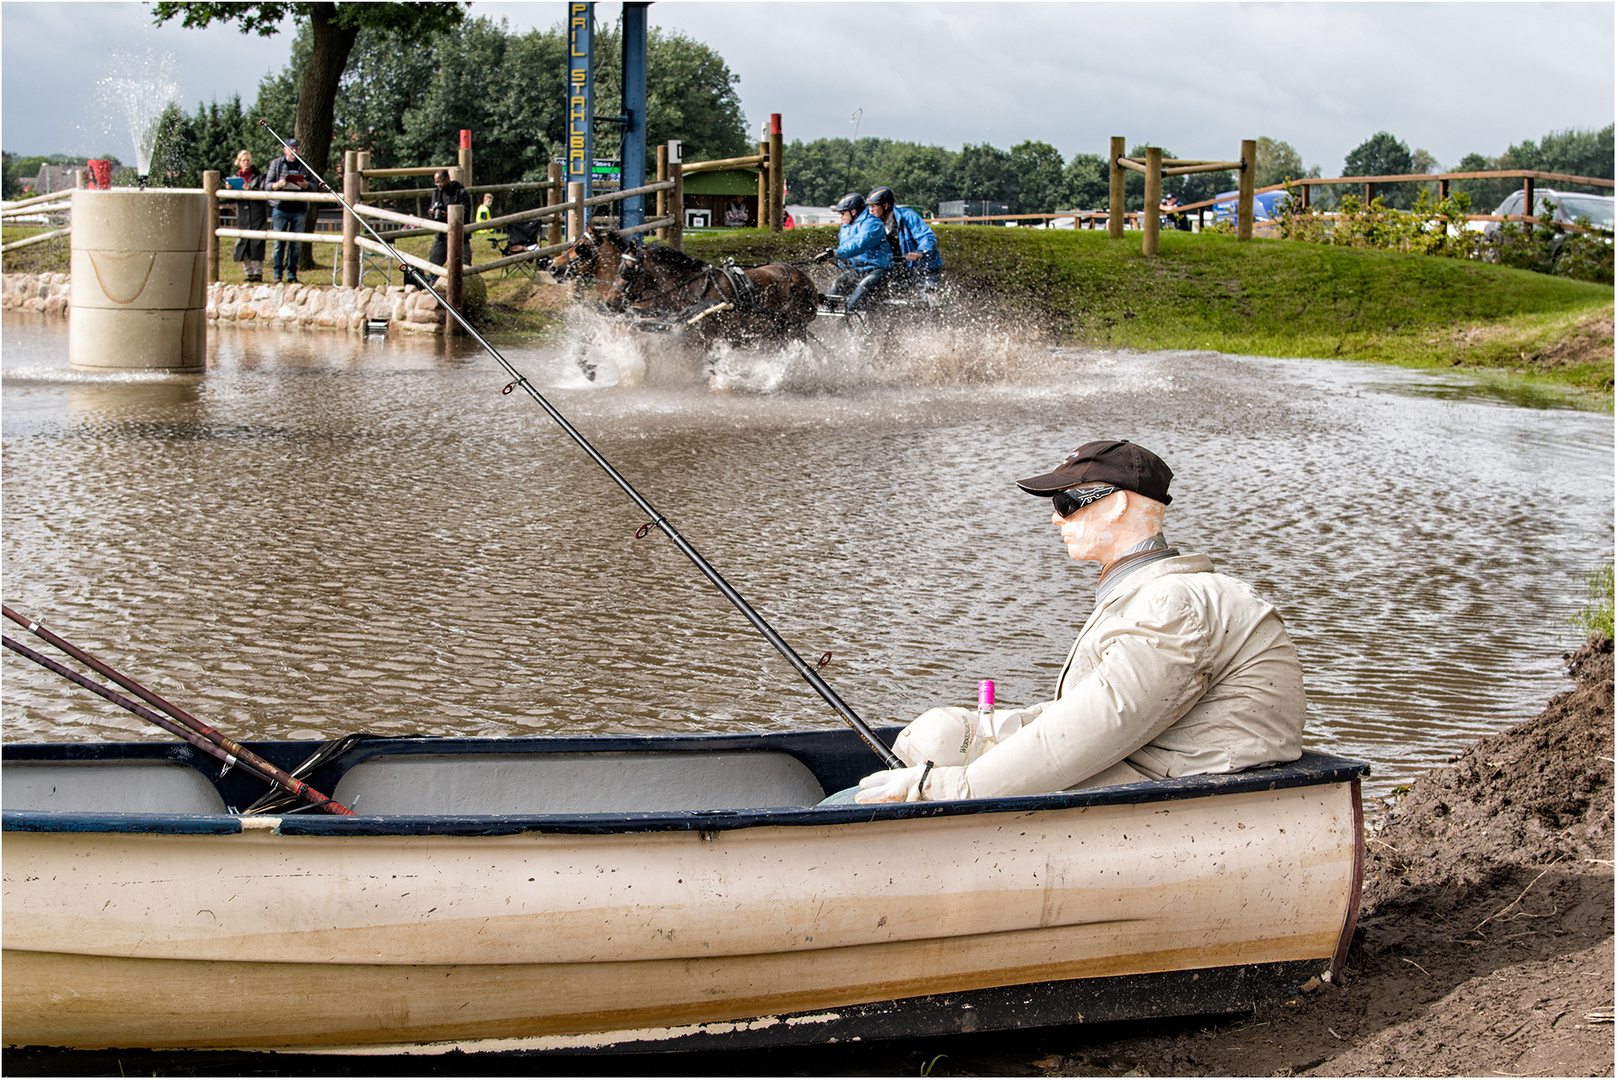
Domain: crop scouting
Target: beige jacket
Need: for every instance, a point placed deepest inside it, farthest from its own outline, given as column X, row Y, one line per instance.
column 1180, row 670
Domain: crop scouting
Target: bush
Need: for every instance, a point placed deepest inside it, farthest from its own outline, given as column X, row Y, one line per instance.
column 1549, row 247
column 1438, row 227
column 1595, row 619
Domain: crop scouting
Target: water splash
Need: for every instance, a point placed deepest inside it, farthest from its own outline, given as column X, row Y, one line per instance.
column 140, row 84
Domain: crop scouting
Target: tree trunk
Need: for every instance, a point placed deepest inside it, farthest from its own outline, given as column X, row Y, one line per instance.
column 317, row 98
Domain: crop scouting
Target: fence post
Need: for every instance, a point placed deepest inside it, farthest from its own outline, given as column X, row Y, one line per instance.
column 1249, row 176
column 575, row 216
column 1527, row 190
column 1308, row 195
column 466, row 156
column 662, row 196
column 1114, row 177
column 210, row 184
column 556, row 197
column 676, row 231
column 777, row 175
column 763, row 186
column 1442, row 187
column 1369, row 195
column 350, row 223
column 1153, row 200
column 452, row 256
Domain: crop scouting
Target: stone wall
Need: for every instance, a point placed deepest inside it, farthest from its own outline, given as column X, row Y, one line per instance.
column 44, row 293
column 284, row 307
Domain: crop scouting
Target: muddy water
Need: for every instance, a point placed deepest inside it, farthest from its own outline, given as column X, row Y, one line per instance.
column 325, row 535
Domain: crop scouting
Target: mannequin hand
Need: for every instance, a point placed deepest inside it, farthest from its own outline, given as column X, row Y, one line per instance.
column 891, row 785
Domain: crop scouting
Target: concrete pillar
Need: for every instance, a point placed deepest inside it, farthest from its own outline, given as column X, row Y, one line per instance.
column 139, row 280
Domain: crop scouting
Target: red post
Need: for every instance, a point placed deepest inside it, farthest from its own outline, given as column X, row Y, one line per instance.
column 465, row 138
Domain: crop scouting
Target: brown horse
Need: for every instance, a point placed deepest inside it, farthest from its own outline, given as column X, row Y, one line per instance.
column 670, row 289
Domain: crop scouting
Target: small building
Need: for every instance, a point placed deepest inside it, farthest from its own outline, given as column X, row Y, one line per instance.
column 53, row 178
column 708, row 196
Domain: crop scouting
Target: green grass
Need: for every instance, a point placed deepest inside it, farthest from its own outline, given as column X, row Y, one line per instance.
column 1595, row 619
column 1268, row 298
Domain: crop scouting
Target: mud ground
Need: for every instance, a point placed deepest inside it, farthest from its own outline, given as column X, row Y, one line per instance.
column 1484, row 948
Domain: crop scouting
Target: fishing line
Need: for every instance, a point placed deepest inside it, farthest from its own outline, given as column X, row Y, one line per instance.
column 809, row 674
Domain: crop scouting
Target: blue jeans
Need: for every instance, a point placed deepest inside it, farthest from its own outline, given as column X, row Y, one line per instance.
column 286, row 221
column 863, row 281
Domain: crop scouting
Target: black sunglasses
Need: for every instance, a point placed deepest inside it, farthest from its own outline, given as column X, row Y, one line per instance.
column 1067, row 503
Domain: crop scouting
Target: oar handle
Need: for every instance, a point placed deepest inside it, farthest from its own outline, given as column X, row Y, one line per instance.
column 229, row 750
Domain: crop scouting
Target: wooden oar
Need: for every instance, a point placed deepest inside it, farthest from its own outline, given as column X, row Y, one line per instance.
column 188, row 727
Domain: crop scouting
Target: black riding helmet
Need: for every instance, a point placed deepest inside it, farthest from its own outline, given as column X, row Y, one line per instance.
column 882, row 196
column 853, row 202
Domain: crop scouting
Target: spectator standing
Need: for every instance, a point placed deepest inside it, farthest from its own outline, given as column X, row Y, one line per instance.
column 287, row 173
column 251, row 215
column 486, row 209
column 448, row 192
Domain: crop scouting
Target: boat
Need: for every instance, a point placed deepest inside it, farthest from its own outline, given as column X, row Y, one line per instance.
column 603, row 894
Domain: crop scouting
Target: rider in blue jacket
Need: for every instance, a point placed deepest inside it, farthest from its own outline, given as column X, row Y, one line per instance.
column 862, row 251
column 915, row 243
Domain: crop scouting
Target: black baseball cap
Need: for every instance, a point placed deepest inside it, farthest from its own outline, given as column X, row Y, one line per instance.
column 1117, row 462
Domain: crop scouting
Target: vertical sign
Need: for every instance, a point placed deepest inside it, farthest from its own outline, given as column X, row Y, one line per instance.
column 632, row 211
column 580, row 92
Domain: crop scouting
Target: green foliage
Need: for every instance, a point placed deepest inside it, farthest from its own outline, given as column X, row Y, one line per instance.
column 1038, row 169
column 1549, row 247
column 1574, row 152
column 187, row 146
column 1595, row 617
column 1384, row 154
column 1430, row 227
column 1278, row 162
column 1088, row 187
column 408, row 105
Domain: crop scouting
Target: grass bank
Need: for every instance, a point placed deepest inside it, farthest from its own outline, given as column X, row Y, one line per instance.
column 1268, row 298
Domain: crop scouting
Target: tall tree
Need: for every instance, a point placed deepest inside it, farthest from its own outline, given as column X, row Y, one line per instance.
column 333, row 29
column 1087, row 184
column 1384, row 154
column 1038, row 169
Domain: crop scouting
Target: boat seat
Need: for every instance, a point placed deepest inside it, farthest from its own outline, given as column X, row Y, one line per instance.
column 101, row 786
column 599, row 783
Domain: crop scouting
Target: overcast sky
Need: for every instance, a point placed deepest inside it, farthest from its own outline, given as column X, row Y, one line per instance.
column 1450, row 78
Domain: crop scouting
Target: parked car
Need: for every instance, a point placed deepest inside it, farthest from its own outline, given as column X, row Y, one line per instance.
column 1266, row 206
column 1569, row 207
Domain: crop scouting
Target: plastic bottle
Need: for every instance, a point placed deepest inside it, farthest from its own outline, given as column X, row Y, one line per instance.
column 982, row 732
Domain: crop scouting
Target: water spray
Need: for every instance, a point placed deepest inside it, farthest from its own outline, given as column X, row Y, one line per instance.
column 809, row 673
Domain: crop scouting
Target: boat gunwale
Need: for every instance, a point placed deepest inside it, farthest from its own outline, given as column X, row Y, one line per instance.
column 1312, row 769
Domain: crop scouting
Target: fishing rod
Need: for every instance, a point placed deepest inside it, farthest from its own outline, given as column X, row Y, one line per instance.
column 809, row 674
column 200, row 735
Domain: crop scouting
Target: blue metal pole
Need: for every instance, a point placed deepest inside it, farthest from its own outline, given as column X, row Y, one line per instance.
column 632, row 211
column 580, row 94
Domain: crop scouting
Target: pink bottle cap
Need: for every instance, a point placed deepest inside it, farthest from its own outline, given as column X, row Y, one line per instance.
column 985, row 695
